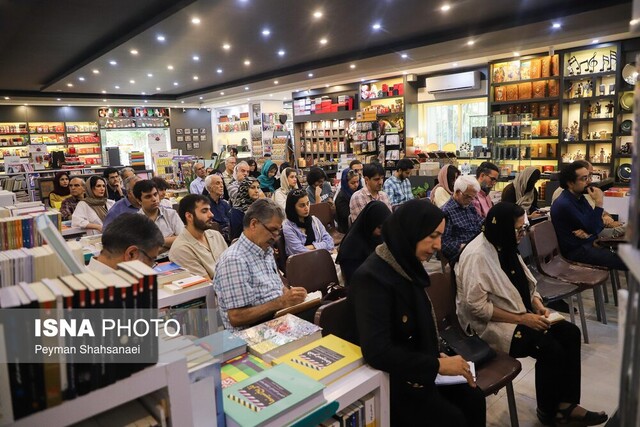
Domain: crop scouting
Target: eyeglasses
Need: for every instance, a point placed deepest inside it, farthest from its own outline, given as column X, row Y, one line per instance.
column 275, row 232
column 584, row 178
column 152, row 259
column 493, row 179
column 522, row 229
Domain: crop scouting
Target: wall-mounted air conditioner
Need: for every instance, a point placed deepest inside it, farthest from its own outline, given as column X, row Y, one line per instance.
column 453, row 82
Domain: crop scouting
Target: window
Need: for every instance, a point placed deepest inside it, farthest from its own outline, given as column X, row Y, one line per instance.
column 446, row 123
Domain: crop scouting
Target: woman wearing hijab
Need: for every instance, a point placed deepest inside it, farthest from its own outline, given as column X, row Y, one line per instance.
column 349, row 184
column 522, row 191
column 92, row 210
column 442, row 192
column 303, row 232
column 497, row 298
column 267, row 177
column 253, row 168
column 396, row 324
column 60, row 190
column 363, row 237
column 248, row 192
column 288, row 182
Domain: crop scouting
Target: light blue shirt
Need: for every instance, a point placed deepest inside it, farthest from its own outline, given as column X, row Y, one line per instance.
column 196, row 186
column 122, row 206
column 294, row 238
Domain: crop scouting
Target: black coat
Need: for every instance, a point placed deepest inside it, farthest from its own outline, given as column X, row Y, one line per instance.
column 343, row 211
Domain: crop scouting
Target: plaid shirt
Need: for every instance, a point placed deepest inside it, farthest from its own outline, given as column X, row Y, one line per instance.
column 246, row 276
column 361, row 198
column 462, row 225
column 398, row 191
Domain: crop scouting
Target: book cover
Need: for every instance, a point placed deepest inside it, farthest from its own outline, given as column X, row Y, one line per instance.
column 223, row 345
column 324, row 360
column 241, row 368
column 266, row 395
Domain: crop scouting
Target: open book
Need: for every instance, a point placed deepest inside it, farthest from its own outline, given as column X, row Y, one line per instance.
column 455, row 379
column 555, row 317
column 313, row 299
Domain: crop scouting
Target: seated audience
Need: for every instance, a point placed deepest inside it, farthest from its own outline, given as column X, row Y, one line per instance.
column 60, row 191
column 197, row 185
column 167, row 220
column 220, row 208
column 522, row 191
column 487, row 175
column 576, row 223
column 398, row 187
column 114, row 187
column 303, row 232
column 354, row 165
column 267, row 177
column 319, row 190
column 441, row 193
column 198, row 247
column 349, row 184
column 396, row 327
column 248, row 193
column 127, row 204
column 76, row 190
column 253, row 168
column 246, row 282
column 92, row 210
column 126, row 173
column 162, row 187
column 240, row 172
column 227, row 174
column 288, row 182
column 497, row 298
column 463, row 221
column 363, row 237
column 129, row 237
column 372, row 190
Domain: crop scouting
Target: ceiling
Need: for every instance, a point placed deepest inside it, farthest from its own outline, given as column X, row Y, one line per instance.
column 174, row 50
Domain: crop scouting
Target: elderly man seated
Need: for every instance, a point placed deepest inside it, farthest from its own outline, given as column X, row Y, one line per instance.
column 463, row 222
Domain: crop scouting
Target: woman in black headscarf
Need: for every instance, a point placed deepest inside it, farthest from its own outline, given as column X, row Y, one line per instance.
column 396, row 327
column 363, row 237
column 497, row 298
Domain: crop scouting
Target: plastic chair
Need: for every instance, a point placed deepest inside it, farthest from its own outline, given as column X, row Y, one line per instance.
column 334, row 318
column 492, row 375
column 552, row 290
column 326, row 214
column 313, row 270
column 550, row 263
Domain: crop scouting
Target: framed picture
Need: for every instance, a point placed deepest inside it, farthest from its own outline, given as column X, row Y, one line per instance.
column 195, row 138
column 187, row 138
column 203, row 137
column 179, row 138
column 178, row 131
column 194, row 131
column 203, row 131
column 187, row 131
column 196, row 145
column 189, row 146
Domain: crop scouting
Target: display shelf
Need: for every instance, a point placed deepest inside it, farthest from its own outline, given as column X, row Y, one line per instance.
column 381, row 98
column 588, row 98
column 340, row 115
column 527, row 101
column 526, row 81
column 590, row 75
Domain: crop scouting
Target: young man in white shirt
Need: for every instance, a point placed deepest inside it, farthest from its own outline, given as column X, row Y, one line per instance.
column 167, row 220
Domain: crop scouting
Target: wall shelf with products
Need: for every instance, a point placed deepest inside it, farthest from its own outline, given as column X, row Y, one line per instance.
column 323, row 139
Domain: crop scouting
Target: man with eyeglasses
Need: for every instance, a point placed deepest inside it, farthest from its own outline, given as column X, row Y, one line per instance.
column 576, row 223
column 246, row 281
column 197, row 185
column 128, row 204
column 463, row 222
column 129, row 237
column 487, row 175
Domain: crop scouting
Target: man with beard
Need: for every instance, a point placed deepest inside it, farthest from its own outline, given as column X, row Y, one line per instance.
column 247, row 283
column 198, row 247
column 487, row 175
column 167, row 220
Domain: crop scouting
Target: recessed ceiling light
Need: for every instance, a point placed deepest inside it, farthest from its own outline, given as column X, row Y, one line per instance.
column 58, row 99
column 404, row 73
column 221, row 93
column 195, row 77
column 516, row 53
column 70, row 84
column 95, row 71
column 160, row 38
column 326, row 85
column 143, row 93
column 169, row 67
column 266, row 32
column 352, row 66
column 285, row 98
column 317, row 14
column 281, row 52
column 445, row 7
column 228, row 103
column 226, row 46
column 104, row 100
column 275, row 82
column 195, row 20
column 361, row 80
column 181, row 102
column 104, row 91
column 376, row 26
column 323, row 41
column 246, row 88
column 556, row 25
column 145, row 101
column 117, row 87
column 7, row 98
column 113, row 63
column 270, row 94
column 81, row 78
column 158, row 88
column 404, row 56
column 470, row 43
column 133, row 52
column 149, row 75
column 132, row 81
column 247, row 62
column 175, row 83
column 633, row 22
column 594, row 41
column 219, row 71
column 310, row 74
column 200, row 98
column 455, row 64
column 248, row 99
column 196, row 58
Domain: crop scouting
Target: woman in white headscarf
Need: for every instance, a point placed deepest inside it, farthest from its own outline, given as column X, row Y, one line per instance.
column 288, row 182
column 523, row 191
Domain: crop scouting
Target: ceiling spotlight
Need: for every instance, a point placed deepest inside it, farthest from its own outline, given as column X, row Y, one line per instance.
column 7, row 98
column 175, row 83
column 95, row 71
column 169, row 67
column 285, row 98
column 556, row 25
column 455, row 64
column 275, row 82
column 149, row 75
column 160, row 38
column 248, row 99
column 104, row 91
column 404, row 56
column 317, row 14
column 145, row 101
column 113, row 63
column 195, row 77
column 281, row 52
column 516, row 53
column 196, row 58
column 219, row 71
column 326, row 85
column 310, row 74
column 634, row 21
column 133, row 52
column 143, row 93
column 595, row 41
column 445, row 7
column 70, row 84
column 226, row 46
column 117, row 87
column 266, row 32
column 221, row 93
column 470, row 43
column 323, row 41
column 158, row 88
column 181, row 102
column 376, row 26
column 404, row 73
column 200, row 98
column 58, row 99
column 132, row 81
column 104, row 100
column 195, row 20
column 246, row 88
column 81, row 78
column 352, row 66
column 247, row 62
column 270, row 94
column 228, row 103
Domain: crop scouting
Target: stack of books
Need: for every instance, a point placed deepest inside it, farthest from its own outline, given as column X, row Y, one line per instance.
column 21, row 232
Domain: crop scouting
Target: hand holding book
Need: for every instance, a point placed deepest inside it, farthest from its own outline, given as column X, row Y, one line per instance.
column 456, row 366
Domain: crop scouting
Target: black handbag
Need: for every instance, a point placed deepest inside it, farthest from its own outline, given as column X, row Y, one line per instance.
column 471, row 347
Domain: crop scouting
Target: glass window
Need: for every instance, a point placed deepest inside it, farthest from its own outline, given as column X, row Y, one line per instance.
column 447, row 122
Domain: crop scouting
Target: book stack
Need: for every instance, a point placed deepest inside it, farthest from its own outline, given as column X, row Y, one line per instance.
column 191, row 315
column 136, row 160
column 20, row 231
column 223, row 345
column 361, row 413
column 240, row 368
column 30, row 387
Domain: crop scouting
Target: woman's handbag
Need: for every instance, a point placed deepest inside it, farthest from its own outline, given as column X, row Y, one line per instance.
column 471, row 347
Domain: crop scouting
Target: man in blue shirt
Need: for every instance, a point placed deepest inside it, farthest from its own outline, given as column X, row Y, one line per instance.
column 398, row 187
column 220, row 208
column 197, row 185
column 127, row 204
column 576, row 223
column 463, row 223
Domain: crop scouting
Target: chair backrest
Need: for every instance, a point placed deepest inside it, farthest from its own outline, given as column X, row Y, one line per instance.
column 525, row 249
column 443, row 298
column 544, row 243
column 281, row 254
column 324, row 212
column 313, row 270
column 334, row 318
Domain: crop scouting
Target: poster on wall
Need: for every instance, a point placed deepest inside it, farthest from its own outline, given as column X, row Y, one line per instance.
column 37, row 154
column 157, row 141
